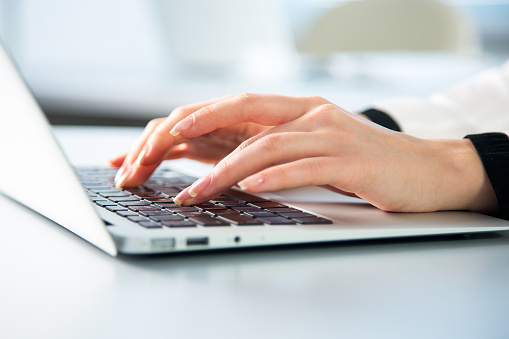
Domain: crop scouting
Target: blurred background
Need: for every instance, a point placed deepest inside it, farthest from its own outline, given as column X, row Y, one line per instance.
column 123, row 62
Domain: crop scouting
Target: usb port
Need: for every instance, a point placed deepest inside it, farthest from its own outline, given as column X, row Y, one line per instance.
column 202, row 241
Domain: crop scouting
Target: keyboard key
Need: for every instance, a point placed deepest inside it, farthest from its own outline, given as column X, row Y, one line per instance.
column 246, row 208
column 213, row 208
column 260, row 214
column 150, row 195
column 155, row 212
column 166, row 204
column 241, row 220
column 144, row 208
column 125, row 199
column 127, row 213
column 277, row 220
column 179, row 223
column 172, row 217
column 182, row 209
column 134, row 203
column 138, row 190
column 296, row 215
column 222, row 198
column 225, row 212
column 137, row 218
column 115, row 208
column 282, row 209
column 172, row 192
column 194, row 213
column 104, row 203
column 209, row 221
column 267, row 204
column 160, row 200
column 115, row 195
column 232, row 203
column 313, row 220
column 107, row 190
column 150, row 224
column 245, row 197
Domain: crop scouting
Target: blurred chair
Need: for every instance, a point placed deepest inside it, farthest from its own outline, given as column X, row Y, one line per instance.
column 390, row 25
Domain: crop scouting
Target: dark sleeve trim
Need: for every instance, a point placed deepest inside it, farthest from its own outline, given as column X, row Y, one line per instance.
column 382, row 119
column 493, row 149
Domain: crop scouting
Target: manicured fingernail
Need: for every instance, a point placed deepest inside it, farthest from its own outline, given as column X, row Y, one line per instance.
column 199, row 186
column 252, row 181
column 181, row 197
column 120, row 173
column 144, row 154
column 182, row 126
column 122, row 176
column 177, row 201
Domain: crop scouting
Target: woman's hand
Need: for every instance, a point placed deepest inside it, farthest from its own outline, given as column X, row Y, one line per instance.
column 156, row 144
column 286, row 142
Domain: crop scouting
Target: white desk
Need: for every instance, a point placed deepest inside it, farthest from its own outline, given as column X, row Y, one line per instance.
column 55, row 285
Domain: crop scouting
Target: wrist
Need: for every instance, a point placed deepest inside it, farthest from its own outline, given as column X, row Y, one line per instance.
column 465, row 185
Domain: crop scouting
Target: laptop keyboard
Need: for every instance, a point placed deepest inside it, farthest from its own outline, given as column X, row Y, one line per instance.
column 151, row 205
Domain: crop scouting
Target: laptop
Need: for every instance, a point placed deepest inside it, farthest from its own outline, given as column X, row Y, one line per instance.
column 144, row 220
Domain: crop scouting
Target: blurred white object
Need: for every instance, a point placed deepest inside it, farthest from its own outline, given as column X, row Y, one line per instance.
column 385, row 25
column 474, row 106
column 216, row 36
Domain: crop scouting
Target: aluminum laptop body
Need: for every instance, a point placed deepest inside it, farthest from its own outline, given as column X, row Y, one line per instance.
column 35, row 173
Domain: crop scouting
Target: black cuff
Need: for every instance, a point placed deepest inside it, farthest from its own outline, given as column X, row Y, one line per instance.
column 493, row 149
column 382, row 119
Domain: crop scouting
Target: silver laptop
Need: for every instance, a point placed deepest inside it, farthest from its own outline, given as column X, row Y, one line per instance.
column 144, row 220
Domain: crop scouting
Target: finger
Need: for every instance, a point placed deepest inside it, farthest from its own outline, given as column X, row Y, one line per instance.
column 274, row 149
column 304, row 172
column 152, row 146
column 125, row 169
column 178, row 152
column 117, row 161
column 143, row 172
column 264, row 109
column 161, row 140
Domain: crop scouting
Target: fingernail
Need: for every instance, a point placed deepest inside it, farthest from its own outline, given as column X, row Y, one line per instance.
column 182, row 126
column 120, row 173
column 177, row 201
column 181, row 197
column 144, row 154
column 122, row 176
column 252, row 181
column 199, row 186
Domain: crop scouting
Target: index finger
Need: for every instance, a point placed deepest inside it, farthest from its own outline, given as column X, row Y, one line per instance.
column 263, row 109
column 150, row 149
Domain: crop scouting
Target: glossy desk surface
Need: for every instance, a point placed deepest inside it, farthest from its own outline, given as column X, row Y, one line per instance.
column 55, row 285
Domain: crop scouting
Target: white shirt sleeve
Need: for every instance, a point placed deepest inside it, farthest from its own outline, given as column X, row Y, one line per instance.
column 476, row 106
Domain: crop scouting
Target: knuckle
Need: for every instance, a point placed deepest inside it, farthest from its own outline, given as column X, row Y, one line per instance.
column 206, row 111
column 248, row 98
column 269, row 143
column 278, row 175
column 313, row 170
column 154, row 123
column 324, row 115
column 225, row 167
column 318, row 100
column 246, row 143
column 177, row 111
